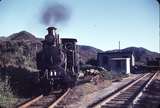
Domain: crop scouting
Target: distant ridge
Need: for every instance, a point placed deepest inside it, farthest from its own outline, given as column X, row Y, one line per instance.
column 23, row 35
column 141, row 54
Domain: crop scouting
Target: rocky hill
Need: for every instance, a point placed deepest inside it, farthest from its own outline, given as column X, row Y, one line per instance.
column 87, row 53
column 19, row 49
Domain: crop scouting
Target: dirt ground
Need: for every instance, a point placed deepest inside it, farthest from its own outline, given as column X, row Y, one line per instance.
column 78, row 92
column 82, row 95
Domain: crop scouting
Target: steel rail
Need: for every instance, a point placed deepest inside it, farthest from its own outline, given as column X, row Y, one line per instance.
column 27, row 104
column 53, row 105
column 140, row 93
column 36, row 99
column 103, row 102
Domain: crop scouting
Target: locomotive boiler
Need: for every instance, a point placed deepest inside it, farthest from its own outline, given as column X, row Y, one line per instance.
column 57, row 61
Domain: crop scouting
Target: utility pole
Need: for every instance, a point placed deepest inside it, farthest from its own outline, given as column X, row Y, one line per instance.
column 119, row 45
column 159, row 23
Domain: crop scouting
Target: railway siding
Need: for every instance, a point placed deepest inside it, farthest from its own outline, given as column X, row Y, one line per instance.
column 125, row 97
column 151, row 95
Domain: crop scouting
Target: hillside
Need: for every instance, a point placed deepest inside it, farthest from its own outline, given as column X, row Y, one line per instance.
column 19, row 49
column 88, row 52
column 142, row 54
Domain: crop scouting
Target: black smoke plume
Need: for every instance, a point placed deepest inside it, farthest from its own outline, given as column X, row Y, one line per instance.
column 55, row 14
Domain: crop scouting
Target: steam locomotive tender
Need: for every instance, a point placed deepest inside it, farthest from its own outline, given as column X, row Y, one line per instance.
column 57, row 61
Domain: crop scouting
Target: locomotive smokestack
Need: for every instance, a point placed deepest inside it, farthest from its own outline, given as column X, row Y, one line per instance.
column 52, row 33
column 52, row 30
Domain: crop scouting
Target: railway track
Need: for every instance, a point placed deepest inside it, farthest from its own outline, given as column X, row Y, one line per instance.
column 41, row 101
column 127, row 96
column 151, row 95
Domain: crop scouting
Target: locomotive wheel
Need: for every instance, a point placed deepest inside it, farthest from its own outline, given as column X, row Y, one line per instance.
column 45, row 87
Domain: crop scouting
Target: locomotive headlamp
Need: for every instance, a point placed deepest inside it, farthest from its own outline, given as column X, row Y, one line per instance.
column 51, row 74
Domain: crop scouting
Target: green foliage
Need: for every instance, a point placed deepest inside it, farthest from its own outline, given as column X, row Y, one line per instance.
column 7, row 99
column 16, row 83
column 92, row 62
column 22, row 82
column 17, row 53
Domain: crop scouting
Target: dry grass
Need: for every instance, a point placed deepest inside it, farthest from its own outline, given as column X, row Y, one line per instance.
column 7, row 99
column 78, row 92
column 91, row 87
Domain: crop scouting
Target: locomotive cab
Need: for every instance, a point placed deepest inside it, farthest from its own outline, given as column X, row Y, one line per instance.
column 71, row 51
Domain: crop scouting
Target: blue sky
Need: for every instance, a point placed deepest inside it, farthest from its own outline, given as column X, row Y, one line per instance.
column 98, row 23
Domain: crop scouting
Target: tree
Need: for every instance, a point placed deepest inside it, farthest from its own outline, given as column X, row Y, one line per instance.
column 92, row 62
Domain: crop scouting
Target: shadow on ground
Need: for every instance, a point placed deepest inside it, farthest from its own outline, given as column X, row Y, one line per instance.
column 21, row 81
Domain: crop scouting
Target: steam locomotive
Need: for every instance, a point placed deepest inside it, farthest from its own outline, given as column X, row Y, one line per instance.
column 57, row 61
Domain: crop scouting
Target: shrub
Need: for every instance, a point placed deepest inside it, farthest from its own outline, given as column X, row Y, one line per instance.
column 92, row 62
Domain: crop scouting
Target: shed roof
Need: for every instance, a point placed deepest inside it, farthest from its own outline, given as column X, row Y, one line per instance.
column 120, row 58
